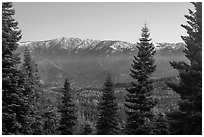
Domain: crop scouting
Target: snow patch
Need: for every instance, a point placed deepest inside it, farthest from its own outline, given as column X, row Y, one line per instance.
column 113, row 47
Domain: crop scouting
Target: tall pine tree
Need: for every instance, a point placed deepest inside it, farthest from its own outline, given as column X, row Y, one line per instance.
column 107, row 120
column 68, row 115
column 42, row 116
column 138, row 100
column 34, row 93
column 14, row 102
column 29, row 89
column 188, row 119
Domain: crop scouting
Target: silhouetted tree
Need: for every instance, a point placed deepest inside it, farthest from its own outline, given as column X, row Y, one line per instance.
column 188, row 119
column 68, row 115
column 138, row 101
column 14, row 101
column 107, row 120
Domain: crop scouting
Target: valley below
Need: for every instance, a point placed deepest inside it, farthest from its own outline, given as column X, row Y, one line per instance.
column 86, row 63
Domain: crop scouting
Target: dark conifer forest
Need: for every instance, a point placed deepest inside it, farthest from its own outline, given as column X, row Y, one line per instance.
column 142, row 105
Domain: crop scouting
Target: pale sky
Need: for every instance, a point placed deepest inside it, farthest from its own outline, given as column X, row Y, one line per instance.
column 101, row 21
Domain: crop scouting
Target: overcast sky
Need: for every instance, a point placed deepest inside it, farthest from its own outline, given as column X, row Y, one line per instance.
column 101, row 21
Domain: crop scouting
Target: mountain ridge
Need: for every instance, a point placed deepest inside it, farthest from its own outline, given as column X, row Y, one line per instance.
column 87, row 62
column 88, row 43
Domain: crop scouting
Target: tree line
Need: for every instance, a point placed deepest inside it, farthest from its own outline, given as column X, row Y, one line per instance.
column 26, row 109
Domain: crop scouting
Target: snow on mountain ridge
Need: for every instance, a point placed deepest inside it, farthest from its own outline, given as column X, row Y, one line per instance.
column 89, row 44
column 119, row 46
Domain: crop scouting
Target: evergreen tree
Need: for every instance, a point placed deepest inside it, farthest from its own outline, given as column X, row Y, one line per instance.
column 188, row 119
column 32, row 91
column 30, row 70
column 42, row 115
column 14, row 102
column 29, row 89
column 138, row 101
column 68, row 116
column 107, row 107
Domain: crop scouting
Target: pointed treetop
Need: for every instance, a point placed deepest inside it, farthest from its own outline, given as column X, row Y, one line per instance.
column 108, row 81
column 145, row 33
column 66, row 84
column 145, row 24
